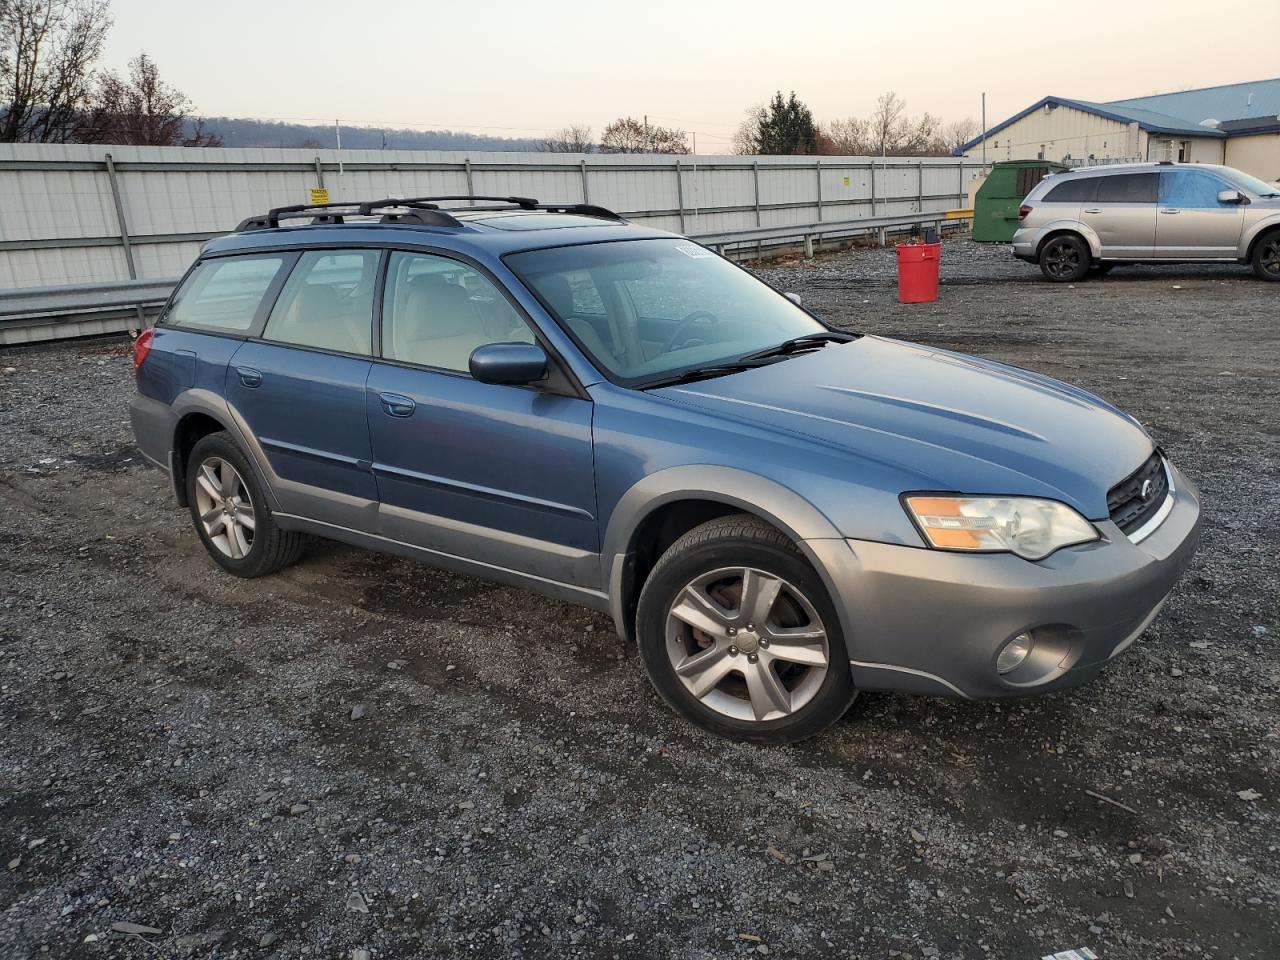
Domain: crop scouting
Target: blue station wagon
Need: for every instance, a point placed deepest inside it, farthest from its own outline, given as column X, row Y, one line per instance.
column 778, row 513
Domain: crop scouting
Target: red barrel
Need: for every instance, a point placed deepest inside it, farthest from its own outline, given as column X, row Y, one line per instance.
column 918, row 272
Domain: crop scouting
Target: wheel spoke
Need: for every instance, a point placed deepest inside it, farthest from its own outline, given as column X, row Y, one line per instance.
column 228, row 479
column 247, row 519
column 759, row 592
column 767, row 693
column 793, row 648
column 699, row 611
column 703, row 671
column 208, row 481
column 210, row 515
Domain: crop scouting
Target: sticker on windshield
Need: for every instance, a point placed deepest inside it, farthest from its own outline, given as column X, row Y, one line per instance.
column 694, row 251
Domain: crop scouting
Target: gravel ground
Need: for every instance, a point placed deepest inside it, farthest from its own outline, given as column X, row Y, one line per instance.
column 181, row 773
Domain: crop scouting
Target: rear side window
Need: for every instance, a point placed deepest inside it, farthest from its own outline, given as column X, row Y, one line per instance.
column 224, row 294
column 1190, row 188
column 327, row 302
column 1079, row 190
column 437, row 311
column 1128, row 188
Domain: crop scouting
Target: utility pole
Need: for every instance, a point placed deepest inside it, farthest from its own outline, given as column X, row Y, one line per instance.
column 646, row 133
column 984, row 131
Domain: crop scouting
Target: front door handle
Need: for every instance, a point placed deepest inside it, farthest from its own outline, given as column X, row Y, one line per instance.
column 1169, row 210
column 249, row 376
column 1092, row 209
column 397, row 406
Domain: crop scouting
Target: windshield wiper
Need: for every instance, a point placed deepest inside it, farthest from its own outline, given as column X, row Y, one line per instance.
column 796, row 344
column 704, row 373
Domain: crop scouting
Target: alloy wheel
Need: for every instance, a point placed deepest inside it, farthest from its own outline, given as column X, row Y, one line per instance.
column 1270, row 258
column 747, row 644
column 1061, row 259
column 225, row 508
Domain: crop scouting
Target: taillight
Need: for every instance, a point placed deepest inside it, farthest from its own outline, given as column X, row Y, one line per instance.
column 142, row 347
column 1023, row 211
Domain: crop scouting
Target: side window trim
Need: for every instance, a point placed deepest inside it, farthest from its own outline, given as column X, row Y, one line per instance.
column 269, row 299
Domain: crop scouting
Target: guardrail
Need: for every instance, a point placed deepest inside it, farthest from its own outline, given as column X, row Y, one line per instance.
column 36, row 314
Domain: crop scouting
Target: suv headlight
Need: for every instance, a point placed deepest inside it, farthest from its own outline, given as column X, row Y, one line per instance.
column 1030, row 527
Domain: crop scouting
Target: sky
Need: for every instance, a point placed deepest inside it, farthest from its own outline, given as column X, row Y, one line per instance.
column 524, row 68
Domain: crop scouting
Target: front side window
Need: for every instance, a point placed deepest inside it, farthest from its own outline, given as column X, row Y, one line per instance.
column 224, row 293
column 437, row 311
column 1190, row 189
column 1128, row 188
column 644, row 309
column 327, row 302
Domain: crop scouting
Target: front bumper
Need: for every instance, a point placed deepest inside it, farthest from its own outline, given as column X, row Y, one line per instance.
column 932, row 621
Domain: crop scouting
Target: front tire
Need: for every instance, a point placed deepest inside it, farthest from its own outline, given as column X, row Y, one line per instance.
column 738, row 634
column 1266, row 257
column 230, row 513
column 1064, row 258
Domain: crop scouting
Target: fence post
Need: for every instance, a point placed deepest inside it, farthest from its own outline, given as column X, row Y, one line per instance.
column 873, row 188
column 680, row 194
column 960, row 169
column 755, row 177
column 466, row 166
column 319, row 174
column 920, row 186
column 586, row 196
column 817, row 167
column 124, row 226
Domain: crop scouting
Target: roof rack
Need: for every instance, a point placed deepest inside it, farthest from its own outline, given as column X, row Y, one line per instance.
column 422, row 210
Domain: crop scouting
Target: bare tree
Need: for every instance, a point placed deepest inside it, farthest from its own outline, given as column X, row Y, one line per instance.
column 628, row 135
column 48, row 49
column 850, row 137
column 571, row 139
column 956, row 134
column 886, row 124
column 144, row 110
column 746, row 139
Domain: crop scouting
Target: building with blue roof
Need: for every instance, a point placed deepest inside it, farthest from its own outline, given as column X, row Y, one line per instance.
column 1237, row 124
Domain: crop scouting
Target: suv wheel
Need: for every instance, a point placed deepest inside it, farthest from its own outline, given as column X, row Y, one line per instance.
column 230, row 513
column 1064, row 258
column 737, row 633
column 1266, row 257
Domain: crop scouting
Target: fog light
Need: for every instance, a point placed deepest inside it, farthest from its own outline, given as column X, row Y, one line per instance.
column 1014, row 653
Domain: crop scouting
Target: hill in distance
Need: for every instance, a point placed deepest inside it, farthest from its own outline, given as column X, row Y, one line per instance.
column 240, row 132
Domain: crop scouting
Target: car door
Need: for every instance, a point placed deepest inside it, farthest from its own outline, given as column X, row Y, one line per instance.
column 1123, row 215
column 299, row 388
column 1192, row 224
column 502, row 476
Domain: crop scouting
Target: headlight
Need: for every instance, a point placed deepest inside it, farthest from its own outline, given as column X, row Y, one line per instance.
column 1027, row 526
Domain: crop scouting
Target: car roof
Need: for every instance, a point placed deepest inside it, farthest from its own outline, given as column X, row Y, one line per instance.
column 1152, row 165
column 495, row 231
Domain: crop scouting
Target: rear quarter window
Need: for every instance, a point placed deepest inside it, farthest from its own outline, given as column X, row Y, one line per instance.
column 224, row 293
column 1079, row 190
column 1128, row 188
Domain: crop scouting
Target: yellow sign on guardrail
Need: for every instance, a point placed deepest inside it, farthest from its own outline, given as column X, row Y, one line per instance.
column 319, row 195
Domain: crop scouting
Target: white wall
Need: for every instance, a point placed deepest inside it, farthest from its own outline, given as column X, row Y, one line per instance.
column 1062, row 131
column 1258, row 155
column 58, row 220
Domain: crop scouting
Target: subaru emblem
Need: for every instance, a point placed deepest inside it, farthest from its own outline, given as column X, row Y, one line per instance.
column 1147, row 488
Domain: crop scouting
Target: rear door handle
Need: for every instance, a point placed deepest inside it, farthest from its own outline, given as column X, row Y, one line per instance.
column 249, row 376
column 1169, row 210
column 397, row 406
column 1092, row 209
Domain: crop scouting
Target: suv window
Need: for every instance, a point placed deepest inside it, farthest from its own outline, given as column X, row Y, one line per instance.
column 327, row 302
column 1190, row 188
column 437, row 311
column 1079, row 190
column 225, row 293
column 1127, row 188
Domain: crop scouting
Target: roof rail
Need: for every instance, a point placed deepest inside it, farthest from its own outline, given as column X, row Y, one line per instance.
column 422, row 210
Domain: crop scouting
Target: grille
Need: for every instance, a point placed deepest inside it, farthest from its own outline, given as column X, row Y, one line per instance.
column 1128, row 508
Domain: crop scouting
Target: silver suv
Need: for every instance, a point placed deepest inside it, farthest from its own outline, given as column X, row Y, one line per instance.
column 1149, row 213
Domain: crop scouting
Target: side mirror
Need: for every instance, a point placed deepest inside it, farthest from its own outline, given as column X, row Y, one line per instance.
column 794, row 298
column 510, row 363
column 1230, row 196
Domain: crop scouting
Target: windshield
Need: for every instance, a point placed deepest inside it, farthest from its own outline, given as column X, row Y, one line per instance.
column 645, row 309
column 1252, row 184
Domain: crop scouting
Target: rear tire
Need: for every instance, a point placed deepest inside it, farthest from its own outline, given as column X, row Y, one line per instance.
column 1064, row 258
column 738, row 634
column 1266, row 256
column 230, row 513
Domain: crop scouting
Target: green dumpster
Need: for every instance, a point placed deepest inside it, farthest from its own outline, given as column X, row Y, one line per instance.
column 995, row 208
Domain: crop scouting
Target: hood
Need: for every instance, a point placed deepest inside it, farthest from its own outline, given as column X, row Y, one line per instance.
column 944, row 421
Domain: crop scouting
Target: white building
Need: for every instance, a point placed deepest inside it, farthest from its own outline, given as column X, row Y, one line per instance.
column 1238, row 124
